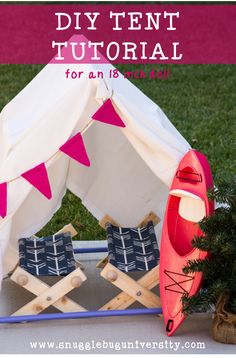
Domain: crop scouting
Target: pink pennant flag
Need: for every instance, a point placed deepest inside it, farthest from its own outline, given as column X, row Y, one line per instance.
column 107, row 114
column 3, row 200
column 38, row 177
column 75, row 149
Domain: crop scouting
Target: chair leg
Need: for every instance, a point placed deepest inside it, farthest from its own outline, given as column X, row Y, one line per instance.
column 102, row 263
column 132, row 288
column 47, row 295
column 123, row 300
column 66, row 228
column 150, row 217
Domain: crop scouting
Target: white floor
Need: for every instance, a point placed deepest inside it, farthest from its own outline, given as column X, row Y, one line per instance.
column 136, row 334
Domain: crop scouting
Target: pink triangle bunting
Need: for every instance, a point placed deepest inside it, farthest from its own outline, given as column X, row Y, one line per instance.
column 75, row 149
column 38, row 177
column 3, row 200
column 107, row 114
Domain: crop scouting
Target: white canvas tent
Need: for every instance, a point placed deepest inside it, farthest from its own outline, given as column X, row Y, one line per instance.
column 131, row 168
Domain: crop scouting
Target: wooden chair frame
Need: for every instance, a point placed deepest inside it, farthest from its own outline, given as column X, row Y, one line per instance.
column 55, row 295
column 50, row 295
column 131, row 290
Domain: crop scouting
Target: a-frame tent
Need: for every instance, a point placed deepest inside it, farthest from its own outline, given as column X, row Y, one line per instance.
column 131, row 168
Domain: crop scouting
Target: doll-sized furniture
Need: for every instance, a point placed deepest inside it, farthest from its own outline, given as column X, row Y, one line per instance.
column 130, row 250
column 54, row 256
column 48, row 256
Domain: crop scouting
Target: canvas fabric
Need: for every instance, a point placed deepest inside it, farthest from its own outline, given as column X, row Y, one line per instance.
column 132, row 249
column 131, row 168
column 47, row 256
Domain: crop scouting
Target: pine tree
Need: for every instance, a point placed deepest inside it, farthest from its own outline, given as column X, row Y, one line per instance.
column 219, row 239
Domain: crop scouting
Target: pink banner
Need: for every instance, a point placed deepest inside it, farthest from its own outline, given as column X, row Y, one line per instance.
column 127, row 33
column 3, row 200
column 75, row 149
column 38, row 177
column 107, row 114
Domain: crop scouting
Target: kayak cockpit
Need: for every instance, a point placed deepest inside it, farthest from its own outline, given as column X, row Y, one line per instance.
column 185, row 211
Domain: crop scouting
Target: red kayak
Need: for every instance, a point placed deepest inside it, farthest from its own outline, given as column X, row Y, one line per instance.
column 187, row 204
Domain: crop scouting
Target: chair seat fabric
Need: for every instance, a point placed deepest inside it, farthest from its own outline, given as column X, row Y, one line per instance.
column 132, row 249
column 47, row 256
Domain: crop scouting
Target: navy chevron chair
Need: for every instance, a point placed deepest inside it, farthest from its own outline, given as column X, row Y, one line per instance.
column 132, row 249
column 48, row 256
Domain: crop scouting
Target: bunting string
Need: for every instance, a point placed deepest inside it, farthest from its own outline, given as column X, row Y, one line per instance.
column 85, row 128
column 74, row 148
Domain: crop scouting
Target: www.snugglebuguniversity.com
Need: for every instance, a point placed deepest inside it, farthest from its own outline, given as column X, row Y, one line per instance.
column 103, row 345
